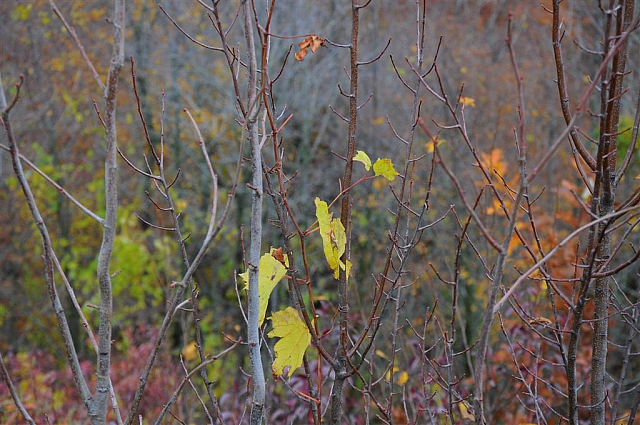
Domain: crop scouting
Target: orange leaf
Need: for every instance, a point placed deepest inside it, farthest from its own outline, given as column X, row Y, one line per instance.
column 305, row 43
column 316, row 43
column 312, row 42
column 540, row 321
column 278, row 255
column 301, row 54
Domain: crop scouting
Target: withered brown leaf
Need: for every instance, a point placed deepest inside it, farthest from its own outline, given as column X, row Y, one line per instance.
column 278, row 255
column 312, row 42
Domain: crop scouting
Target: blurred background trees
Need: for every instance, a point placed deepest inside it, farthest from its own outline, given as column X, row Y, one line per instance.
column 61, row 134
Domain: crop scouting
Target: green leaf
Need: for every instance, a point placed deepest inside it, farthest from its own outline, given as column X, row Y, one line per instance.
column 364, row 158
column 334, row 238
column 271, row 272
column 384, row 167
column 294, row 340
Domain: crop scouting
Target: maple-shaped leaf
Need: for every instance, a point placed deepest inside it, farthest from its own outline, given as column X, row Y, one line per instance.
column 334, row 238
column 312, row 42
column 384, row 167
column 294, row 340
column 364, row 158
column 273, row 267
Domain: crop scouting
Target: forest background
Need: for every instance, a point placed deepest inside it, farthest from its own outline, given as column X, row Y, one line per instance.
column 482, row 269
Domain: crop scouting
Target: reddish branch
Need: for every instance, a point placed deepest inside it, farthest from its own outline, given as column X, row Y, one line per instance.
column 556, row 35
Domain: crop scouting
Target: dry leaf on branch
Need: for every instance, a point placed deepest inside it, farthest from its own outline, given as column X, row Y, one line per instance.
column 312, row 42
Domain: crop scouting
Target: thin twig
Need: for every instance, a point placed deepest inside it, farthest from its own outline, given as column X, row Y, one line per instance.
column 76, row 39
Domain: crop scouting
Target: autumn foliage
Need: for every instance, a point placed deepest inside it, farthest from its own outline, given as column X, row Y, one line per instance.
column 319, row 212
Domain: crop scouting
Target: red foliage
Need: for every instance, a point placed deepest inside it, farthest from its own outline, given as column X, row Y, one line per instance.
column 48, row 392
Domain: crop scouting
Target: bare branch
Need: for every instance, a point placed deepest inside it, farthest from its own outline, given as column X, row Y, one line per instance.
column 555, row 249
column 74, row 36
column 63, row 326
column 206, row 46
column 60, row 189
column 188, row 377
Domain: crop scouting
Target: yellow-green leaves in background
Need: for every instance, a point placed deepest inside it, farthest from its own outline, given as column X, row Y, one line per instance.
column 21, row 12
column 294, row 340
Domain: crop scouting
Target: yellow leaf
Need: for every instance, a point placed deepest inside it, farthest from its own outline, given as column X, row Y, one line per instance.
column 464, row 412
column 384, row 167
column 431, row 144
column 56, row 64
column 334, row 238
column 543, row 285
column 273, row 267
column 294, row 340
column 381, row 353
column 190, row 351
column 245, row 278
column 364, row 158
column 377, row 121
column 403, row 378
column 468, row 101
